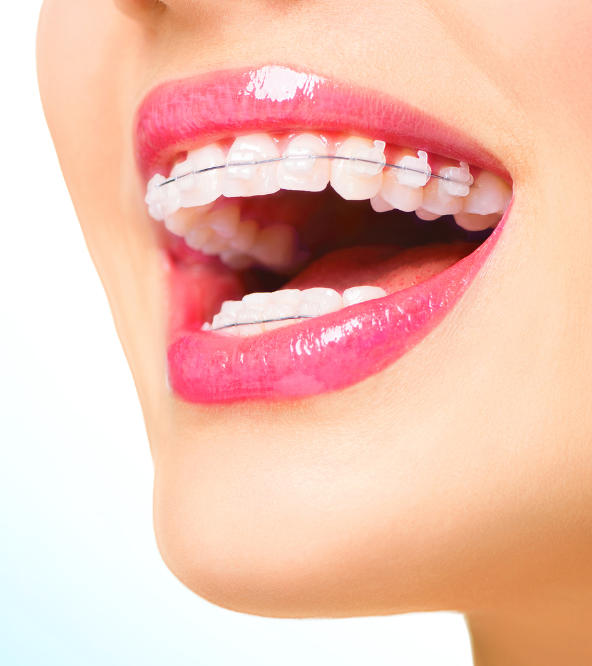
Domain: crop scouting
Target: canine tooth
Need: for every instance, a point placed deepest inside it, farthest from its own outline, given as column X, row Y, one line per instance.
column 417, row 170
column 206, row 187
column 275, row 245
column 358, row 180
column 425, row 215
column 197, row 237
column 319, row 301
column 438, row 202
column 474, row 222
column 379, row 205
column 400, row 196
column 225, row 220
column 355, row 295
column 251, row 179
column 245, row 236
column 461, row 182
column 311, row 175
column 489, row 194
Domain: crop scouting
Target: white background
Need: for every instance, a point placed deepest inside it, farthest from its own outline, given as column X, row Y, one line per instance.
column 81, row 582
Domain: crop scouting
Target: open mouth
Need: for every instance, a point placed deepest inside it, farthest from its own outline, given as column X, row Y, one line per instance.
column 308, row 245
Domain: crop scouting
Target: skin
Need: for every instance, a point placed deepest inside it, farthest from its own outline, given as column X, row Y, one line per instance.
column 459, row 478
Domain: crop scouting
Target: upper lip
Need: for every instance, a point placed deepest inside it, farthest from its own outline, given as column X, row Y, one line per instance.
column 184, row 114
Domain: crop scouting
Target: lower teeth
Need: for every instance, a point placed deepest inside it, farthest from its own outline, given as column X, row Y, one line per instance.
column 261, row 310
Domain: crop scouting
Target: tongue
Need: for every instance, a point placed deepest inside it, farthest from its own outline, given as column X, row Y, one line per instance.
column 386, row 266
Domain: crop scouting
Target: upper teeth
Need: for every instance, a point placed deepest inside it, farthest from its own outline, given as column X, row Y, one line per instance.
column 256, row 164
column 260, row 311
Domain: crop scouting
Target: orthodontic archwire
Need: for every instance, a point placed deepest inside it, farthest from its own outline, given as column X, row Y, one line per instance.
column 259, row 321
column 426, row 173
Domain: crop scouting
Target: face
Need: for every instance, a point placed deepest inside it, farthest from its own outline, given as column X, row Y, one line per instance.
column 422, row 443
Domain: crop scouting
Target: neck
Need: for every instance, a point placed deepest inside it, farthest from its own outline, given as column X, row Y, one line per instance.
column 558, row 633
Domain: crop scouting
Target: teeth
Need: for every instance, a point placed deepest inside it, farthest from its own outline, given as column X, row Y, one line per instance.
column 198, row 190
column 417, row 171
column 460, row 181
column 438, row 202
column 399, row 195
column 319, row 301
column 311, row 175
column 282, row 304
column 214, row 245
column 197, row 237
column 224, row 221
column 380, row 205
column 473, row 222
column 355, row 295
column 358, row 180
column 235, row 260
column 245, row 236
column 251, row 179
column 185, row 205
column 183, row 220
column 275, row 246
column 489, row 194
column 268, row 310
column 162, row 201
column 425, row 215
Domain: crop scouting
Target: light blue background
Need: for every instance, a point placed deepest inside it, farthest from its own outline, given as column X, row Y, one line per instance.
column 81, row 582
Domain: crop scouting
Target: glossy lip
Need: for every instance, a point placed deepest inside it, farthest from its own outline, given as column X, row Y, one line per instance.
column 188, row 113
column 329, row 352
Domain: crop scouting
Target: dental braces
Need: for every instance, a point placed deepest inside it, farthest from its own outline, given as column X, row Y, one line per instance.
column 426, row 173
column 259, row 321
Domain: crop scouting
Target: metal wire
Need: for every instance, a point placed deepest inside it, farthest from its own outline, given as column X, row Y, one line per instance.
column 271, row 160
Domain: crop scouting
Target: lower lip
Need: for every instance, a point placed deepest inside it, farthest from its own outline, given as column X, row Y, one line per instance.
column 324, row 354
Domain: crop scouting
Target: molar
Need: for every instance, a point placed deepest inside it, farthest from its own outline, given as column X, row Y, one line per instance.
column 256, row 179
column 275, row 246
column 474, row 222
column 245, row 235
column 197, row 237
column 311, row 175
column 358, row 180
column 224, row 220
column 489, row 194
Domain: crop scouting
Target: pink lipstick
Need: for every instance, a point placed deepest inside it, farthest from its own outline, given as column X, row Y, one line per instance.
column 325, row 353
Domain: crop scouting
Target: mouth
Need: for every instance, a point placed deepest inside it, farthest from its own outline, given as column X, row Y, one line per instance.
column 313, row 233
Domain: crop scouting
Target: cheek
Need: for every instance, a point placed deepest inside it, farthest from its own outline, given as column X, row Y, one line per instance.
column 538, row 50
